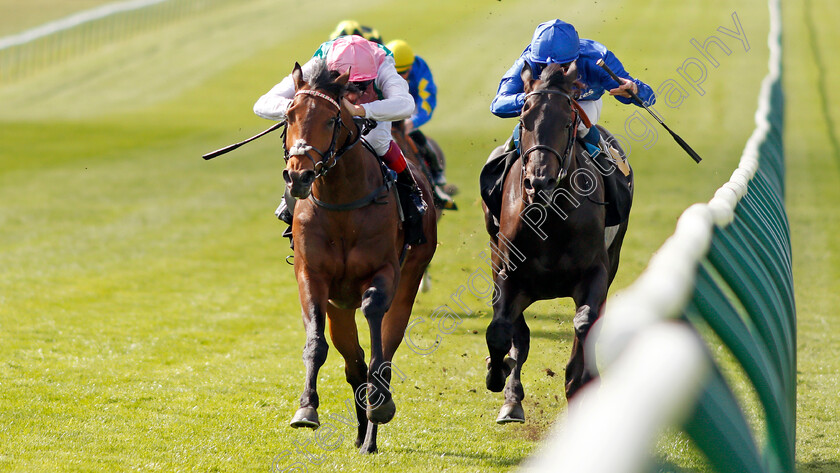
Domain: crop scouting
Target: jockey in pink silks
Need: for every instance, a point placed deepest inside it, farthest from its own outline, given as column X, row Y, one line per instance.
column 377, row 92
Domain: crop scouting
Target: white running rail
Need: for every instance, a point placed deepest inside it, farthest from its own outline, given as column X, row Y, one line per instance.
column 73, row 21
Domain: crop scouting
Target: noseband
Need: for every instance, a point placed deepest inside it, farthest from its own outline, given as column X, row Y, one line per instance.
column 329, row 158
column 570, row 144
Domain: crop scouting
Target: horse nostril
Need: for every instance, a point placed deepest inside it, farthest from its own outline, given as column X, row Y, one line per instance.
column 287, row 177
column 527, row 184
column 307, row 177
column 551, row 183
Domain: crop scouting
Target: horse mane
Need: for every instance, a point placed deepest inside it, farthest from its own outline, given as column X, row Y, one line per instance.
column 556, row 76
column 320, row 77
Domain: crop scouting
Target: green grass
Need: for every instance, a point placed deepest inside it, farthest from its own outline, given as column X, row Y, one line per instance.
column 148, row 321
column 813, row 174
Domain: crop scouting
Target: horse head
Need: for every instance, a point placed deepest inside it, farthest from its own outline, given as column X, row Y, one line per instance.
column 314, row 122
column 546, row 128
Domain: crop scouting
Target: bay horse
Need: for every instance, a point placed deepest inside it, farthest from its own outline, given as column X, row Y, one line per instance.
column 549, row 241
column 348, row 247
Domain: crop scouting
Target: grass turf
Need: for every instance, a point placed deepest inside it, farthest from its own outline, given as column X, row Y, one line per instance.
column 147, row 320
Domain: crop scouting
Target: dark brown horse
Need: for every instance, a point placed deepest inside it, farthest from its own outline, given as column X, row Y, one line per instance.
column 550, row 239
column 348, row 244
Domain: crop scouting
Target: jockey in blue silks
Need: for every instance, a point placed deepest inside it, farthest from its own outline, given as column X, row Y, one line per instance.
column 556, row 41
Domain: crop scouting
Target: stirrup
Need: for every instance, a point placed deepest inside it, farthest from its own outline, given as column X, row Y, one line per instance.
column 416, row 198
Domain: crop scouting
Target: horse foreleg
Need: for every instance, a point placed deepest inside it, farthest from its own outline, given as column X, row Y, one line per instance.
column 375, row 302
column 512, row 410
column 345, row 338
column 313, row 300
column 589, row 299
column 507, row 307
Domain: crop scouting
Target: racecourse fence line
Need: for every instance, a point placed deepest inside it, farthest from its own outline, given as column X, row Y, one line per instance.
column 727, row 268
column 62, row 40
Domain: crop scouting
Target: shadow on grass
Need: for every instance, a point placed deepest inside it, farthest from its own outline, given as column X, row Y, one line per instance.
column 555, row 326
column 562, row 334
column 818, row 466
column 488, row 458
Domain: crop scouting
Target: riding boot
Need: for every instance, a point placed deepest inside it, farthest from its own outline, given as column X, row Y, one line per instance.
column 285, row 214
column 411, row 199
column 591, row 140
column 414, row 207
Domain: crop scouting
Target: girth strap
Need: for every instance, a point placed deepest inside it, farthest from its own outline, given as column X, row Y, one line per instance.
column 376, row 197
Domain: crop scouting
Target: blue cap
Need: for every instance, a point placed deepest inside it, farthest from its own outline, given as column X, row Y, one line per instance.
column 555, row 41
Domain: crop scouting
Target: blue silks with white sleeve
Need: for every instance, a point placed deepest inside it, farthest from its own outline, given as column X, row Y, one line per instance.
column 511, row 96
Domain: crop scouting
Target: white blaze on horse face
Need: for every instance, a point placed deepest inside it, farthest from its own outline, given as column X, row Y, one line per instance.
column 300, row 148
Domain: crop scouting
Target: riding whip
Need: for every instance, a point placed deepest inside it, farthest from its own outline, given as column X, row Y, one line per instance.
column 232, row 147
column 680, row 141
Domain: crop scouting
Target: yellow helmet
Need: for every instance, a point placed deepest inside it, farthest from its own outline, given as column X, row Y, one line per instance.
column 352, row 27
column 371, row 34
column 403, row 55
column 346, row 27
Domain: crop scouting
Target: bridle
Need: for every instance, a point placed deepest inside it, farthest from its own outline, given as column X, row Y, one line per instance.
column 564, row 158
column 329, row 158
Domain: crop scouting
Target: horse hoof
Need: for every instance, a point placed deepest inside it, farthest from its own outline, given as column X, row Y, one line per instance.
column 305, row 417
column 495, row 380
column 367, row 449
column 426, row 283
column 511, row 412
column 383, row 413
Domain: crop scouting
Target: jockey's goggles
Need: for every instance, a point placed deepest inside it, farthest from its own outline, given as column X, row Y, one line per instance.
column 362, row 85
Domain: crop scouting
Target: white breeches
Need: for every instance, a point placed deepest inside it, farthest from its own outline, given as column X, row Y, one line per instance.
column 592, row 109
column 380, row 138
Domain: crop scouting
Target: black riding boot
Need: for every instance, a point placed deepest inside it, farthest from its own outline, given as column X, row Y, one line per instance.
column 414, row 207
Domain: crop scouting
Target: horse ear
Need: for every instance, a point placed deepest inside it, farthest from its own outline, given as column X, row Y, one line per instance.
column 297, row 76
column 527, row 76
column 571, row 72
column 343, row 78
